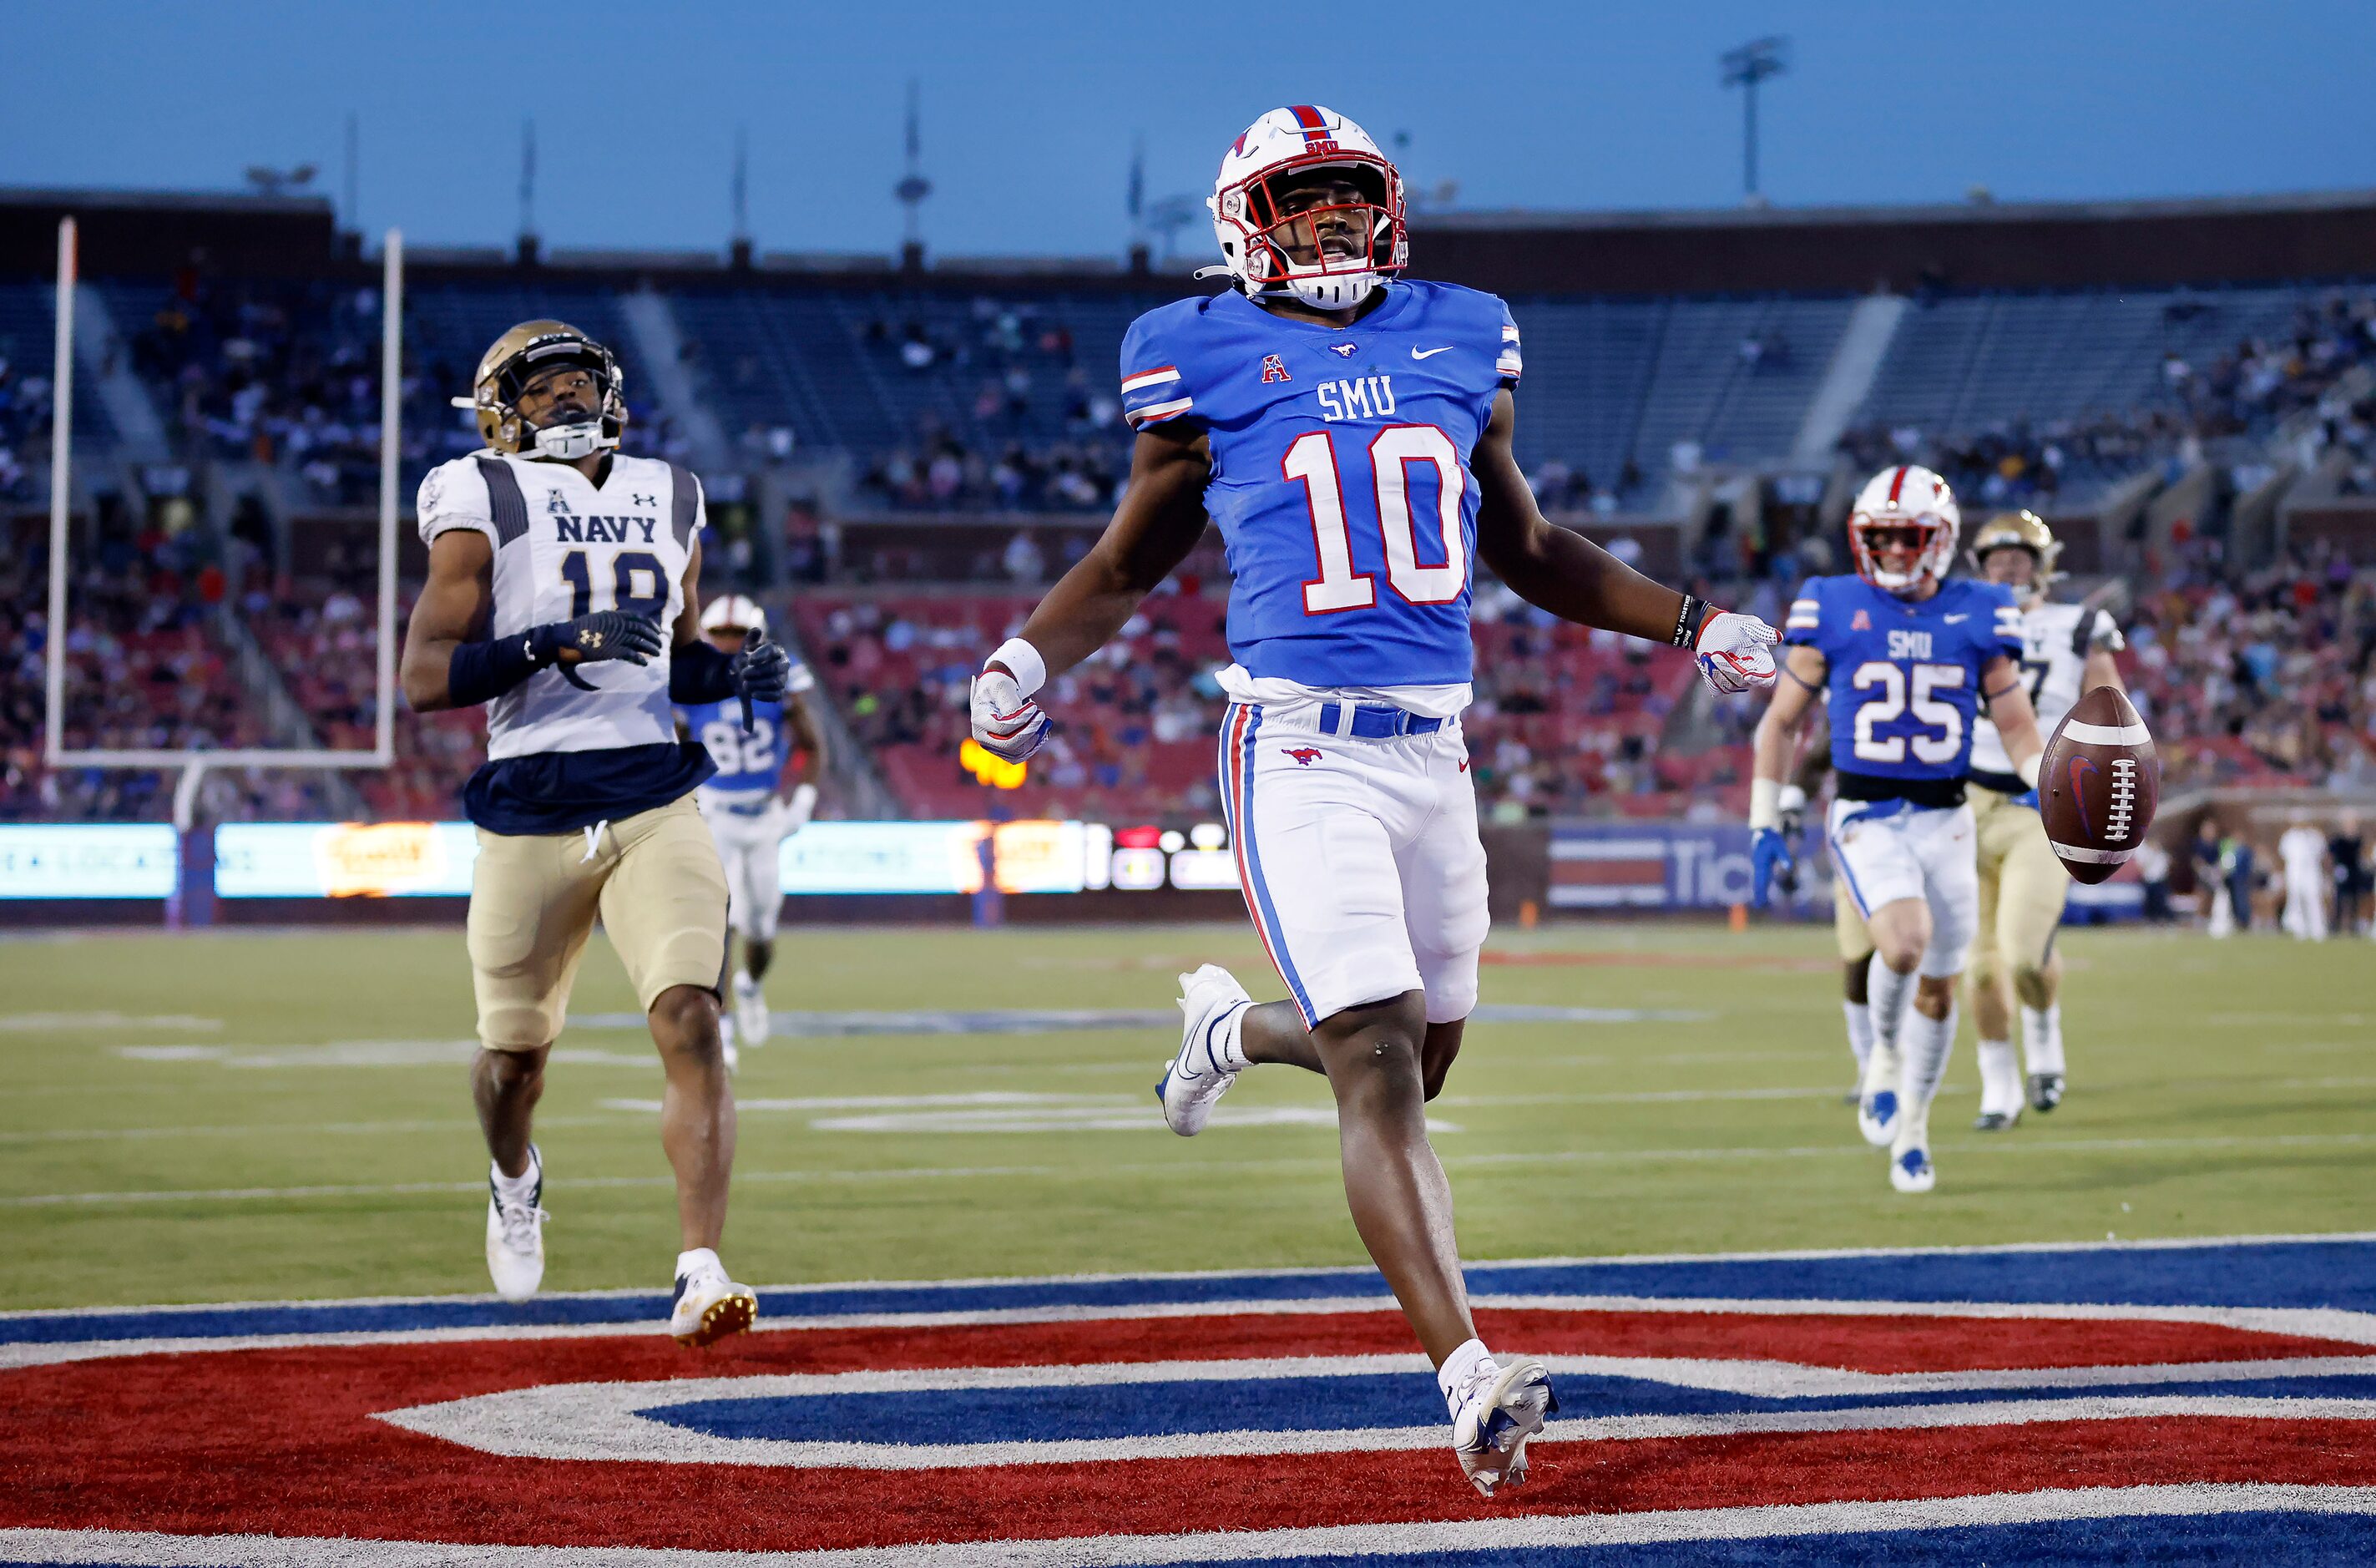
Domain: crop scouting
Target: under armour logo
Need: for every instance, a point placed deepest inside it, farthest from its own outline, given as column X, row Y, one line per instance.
column 1305, row 756
column 589, row 637
column 648, row 500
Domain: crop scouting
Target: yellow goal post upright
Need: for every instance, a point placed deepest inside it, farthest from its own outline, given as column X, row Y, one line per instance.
column 193, row 762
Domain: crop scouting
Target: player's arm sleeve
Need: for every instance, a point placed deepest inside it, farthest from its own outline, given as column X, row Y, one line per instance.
column 453, row 495
column 1804, row 624
column 1155, row 388
column 1508, row 363
column 2003, row 635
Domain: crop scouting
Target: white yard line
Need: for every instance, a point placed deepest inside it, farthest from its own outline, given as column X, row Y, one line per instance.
column 1400, row 1542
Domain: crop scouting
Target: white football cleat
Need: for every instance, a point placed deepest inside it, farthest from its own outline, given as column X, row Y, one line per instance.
column 1911, row 1170
column 1492, row 1416
column 516, row 1236
column 1877, row 1097
column 726, row 1044
column 1212, row 1003
column 710, row 1306
column 750, row 1020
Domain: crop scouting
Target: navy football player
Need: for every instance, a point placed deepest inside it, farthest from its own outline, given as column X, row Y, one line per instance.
column 564, row 594
column 1906, row 660
column 1349, row 431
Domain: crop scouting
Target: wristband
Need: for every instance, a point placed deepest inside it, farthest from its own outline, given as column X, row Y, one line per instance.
column 1688, row 621
column 482, row 671
column 1029, row 669
column 1791, row 799
column 2027, row 768
column 1764, row 804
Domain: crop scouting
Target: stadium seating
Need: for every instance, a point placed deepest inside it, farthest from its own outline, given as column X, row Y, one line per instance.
column 962, row 402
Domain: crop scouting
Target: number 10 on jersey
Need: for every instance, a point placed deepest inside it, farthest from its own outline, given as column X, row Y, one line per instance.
column 1313, row 460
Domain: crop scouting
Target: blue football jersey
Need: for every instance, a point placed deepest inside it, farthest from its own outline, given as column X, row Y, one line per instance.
column 1903, row 682
column 751, row 762
column 1340, row 471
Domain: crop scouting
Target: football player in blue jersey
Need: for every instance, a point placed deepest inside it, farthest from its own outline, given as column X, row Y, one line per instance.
column 1904, row 658
column 1349, row 431
column 749, row 810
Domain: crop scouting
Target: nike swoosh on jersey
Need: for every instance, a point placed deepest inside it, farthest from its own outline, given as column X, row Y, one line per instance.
column 1418, row 353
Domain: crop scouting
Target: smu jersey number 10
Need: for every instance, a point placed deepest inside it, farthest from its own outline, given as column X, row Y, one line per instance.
column 1340, row 476
column 1903, row 679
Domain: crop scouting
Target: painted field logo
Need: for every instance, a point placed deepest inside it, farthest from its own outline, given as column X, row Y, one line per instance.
column 2230, row 1389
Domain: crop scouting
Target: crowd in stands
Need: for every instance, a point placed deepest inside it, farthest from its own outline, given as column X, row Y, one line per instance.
column 2243, row 392
column 938, row 471
column 145, row 669
column 24, row 424
column 2267, row 677
column 283, row 372
column 1040, row 431
column 288, row 373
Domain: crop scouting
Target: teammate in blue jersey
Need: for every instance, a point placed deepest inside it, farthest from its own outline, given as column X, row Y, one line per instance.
column 1903, row 658
column 1349, row 431
column 764, row 792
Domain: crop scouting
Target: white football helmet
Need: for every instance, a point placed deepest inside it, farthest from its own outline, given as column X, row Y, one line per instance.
column 1260, row 241
column 735, row 612
column 1912, row 498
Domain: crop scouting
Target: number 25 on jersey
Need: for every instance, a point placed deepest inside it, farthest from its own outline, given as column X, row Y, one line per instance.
column 1942, row 736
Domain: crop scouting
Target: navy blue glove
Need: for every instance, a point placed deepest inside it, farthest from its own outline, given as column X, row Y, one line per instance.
column 761, row 672
column 1768, row 851
column 606, row 633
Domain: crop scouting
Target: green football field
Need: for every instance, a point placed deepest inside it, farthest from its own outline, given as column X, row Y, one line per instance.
column 265, row 1115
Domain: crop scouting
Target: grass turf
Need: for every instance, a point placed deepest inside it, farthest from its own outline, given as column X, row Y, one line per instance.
column 2217, row 1088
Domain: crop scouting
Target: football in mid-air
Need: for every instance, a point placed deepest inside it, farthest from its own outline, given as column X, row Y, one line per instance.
column 2098, row 785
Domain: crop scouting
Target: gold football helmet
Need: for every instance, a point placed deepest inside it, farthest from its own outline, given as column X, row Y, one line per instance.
column 518, row 357
column 2020, row 530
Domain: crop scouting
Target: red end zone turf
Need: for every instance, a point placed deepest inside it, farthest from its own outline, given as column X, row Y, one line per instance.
column 283, row 1440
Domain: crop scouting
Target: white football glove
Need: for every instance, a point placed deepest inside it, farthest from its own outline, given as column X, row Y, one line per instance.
column 1736, row 652
column 1005, row 722
column 793, row 812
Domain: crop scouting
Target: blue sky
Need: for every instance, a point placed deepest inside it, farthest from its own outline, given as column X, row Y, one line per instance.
column 1030, row 110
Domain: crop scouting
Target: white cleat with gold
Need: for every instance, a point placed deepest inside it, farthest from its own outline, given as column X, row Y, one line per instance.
column 710, row 1306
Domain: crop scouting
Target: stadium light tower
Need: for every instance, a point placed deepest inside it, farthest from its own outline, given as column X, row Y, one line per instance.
column 1745, row 67
column 912, row 189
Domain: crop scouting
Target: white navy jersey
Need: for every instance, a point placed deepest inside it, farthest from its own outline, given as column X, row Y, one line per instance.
column 564, row 548
column 2056, row 639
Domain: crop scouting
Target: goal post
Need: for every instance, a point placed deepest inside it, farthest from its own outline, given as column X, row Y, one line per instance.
column 55, row 753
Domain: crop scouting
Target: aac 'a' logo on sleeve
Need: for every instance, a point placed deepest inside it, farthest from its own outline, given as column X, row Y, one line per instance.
column 555, row 504
column 1863, row 622
column 1272, row 370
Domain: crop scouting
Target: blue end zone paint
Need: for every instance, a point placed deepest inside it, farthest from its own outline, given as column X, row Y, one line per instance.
column 2216, row 1540
column 1356, row 1402
column 2340, row 1274
column 1055, row 1414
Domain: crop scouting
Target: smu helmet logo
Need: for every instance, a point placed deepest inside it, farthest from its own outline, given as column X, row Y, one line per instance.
column 1117, row 1414
column 1272, row 370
